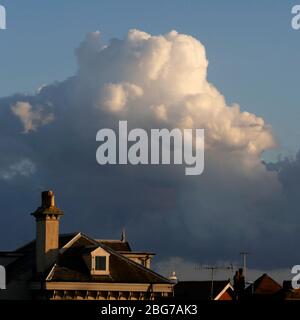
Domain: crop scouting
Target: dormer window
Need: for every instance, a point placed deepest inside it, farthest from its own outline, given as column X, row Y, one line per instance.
column 100, row 263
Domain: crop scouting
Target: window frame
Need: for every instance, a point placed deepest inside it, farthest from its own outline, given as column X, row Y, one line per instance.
column 99, row 252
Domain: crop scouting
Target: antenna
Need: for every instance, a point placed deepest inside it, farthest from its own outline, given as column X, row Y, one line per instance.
column 123, row 235
column 244, row 255
column 213, row 269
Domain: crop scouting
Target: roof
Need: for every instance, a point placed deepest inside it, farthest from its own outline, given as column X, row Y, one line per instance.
column 63, row 240
column 10, row 254
column 264, row 285
column 200, row 290
column 136, row 253
column 72, row 267
column 287, row 285
column 117, row 245
column 26, row 261
column 289, row 292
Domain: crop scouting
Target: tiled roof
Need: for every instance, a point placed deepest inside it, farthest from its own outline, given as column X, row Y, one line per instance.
column 26, row 262
column 63, row 240
column 72, row 267
column 264, row 285
column 199, row 290
column 116, row 245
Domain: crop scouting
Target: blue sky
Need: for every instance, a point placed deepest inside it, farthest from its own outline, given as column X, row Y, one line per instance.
column 252, row 49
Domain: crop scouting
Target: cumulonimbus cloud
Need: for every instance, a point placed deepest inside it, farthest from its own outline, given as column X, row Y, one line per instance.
column 168, row 72
column 154, row 82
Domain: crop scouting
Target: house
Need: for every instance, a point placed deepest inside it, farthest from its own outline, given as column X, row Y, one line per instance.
column 203, row 290
column 264, row 288
column 289, row 292
column 76, row 266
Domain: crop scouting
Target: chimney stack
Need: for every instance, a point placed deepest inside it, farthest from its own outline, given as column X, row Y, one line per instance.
column 47, row 231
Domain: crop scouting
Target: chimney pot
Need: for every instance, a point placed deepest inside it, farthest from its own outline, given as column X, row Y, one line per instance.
column 48, row 199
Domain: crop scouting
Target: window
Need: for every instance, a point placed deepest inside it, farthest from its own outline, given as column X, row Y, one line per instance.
column 100, row 263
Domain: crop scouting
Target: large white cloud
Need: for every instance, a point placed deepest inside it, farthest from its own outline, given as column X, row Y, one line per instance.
column 170, row 73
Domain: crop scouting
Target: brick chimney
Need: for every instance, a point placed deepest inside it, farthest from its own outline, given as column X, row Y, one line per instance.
column 47, row 232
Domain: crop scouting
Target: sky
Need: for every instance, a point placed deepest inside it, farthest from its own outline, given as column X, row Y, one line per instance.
column 252, row 49
column 60, row 82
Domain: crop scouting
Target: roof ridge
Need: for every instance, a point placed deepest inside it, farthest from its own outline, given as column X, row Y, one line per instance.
column 110, row 240
column 25, row 245
column 195, row 281
column 69, row 244
column 33, row 240
column 265, row 276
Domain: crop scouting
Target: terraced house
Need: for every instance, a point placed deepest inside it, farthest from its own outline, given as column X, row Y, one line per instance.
column 75, row 266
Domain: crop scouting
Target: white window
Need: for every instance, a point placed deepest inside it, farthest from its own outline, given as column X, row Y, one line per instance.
column 99, row 262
